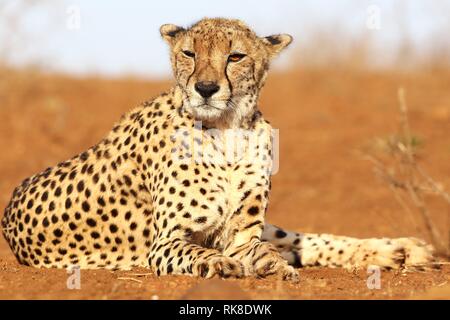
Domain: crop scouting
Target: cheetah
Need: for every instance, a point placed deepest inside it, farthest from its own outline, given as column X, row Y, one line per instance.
column 168, row 190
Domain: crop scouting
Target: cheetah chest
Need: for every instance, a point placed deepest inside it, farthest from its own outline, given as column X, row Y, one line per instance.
column 209, row 173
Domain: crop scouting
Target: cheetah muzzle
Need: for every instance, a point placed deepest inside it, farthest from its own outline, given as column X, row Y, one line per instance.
column 163, row 189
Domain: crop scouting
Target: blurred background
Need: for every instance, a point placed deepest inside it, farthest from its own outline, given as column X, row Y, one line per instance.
column 69, row 69
column 92, row 37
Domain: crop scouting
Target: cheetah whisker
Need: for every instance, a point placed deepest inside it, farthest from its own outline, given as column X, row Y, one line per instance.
column 124, row 202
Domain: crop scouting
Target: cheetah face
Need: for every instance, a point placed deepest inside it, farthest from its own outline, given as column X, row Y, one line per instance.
column 220, row 66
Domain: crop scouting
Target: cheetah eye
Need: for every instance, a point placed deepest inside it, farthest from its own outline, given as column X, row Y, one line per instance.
column 236, row 57
column 188, row 53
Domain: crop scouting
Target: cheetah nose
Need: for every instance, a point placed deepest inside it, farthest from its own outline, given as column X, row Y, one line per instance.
column 206, row 88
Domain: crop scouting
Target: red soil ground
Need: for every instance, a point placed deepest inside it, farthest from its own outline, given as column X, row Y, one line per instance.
column 325, row 119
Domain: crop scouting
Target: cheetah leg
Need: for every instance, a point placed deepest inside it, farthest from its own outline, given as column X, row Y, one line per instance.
column 175, row 256
column 243, row 243
column 337, row 251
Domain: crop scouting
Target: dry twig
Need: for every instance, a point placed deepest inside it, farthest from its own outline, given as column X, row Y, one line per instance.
column 130, row 279
column 408, row 181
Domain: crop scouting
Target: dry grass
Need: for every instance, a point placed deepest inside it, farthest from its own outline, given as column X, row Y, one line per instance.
column 408, row 180
column 322, row 186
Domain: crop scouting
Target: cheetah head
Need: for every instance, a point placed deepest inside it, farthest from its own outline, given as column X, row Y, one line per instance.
column 220, row 66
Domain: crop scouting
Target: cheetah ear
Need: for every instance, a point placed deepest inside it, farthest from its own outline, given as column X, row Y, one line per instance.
column 169, row 32
column 276, row 43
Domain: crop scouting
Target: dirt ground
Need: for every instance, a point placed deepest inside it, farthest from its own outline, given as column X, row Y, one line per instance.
column 325, row 118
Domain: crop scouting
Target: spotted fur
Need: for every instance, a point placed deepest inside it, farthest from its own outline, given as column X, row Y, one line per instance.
column 153, row 193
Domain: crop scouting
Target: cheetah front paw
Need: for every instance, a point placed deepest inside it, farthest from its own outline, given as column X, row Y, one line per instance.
column 268, row 262
column 221, row 266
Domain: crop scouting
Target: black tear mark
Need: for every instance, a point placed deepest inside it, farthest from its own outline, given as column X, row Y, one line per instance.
column 273, row 40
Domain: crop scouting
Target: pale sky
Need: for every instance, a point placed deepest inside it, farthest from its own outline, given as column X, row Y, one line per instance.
column 116, row 36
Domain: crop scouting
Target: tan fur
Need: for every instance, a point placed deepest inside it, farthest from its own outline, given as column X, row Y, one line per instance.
column 164, row 191
column 212, row 41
